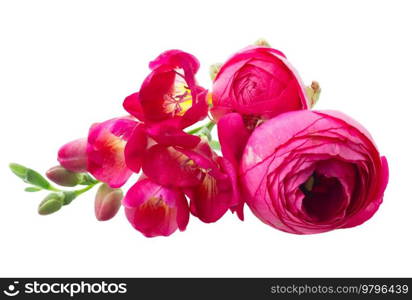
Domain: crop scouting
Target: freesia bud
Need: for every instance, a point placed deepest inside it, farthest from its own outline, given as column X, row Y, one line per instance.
column 73, row 155
column 52, row 203
column 107, row 202
column 64, row 177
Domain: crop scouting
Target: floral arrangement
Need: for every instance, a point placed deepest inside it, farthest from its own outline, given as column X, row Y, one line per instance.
column 299, row 170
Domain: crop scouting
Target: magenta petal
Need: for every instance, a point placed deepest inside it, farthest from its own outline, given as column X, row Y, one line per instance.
column 211, row 199
column 152, row 94
column 167, row 134
column 176, row 59
column 105, row 151
column 132, row 105
column 155, row 210
column 233, row 137
column 238, row 202
column 169, row 167
column 73, row 155
column 197, row 112
column 135, row 148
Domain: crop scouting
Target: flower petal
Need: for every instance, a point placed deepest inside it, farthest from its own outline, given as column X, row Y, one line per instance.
column 105, row 151
column 155, row 210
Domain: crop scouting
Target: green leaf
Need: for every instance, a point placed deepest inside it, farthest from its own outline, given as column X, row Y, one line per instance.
column 215, row 145
column 32, row 189
column 19, row 170
column 36, row 179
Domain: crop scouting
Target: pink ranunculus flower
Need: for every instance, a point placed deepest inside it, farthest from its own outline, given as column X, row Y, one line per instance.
column 313, row 171
column 102, row 153
column 155, row 210
column 258, row 83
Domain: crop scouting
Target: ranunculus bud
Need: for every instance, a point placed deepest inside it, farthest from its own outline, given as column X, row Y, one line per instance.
column 262, row 42
column 52, row 203
column 73, row 155
column 107, row 202
column 259, row 83
column 63, row 177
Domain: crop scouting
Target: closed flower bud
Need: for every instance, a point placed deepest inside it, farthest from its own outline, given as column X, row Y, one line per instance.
column 64, row 177
column 52, row 203
column 262, row 42
column 107, row 202
column 73, row 155
column 313, row 93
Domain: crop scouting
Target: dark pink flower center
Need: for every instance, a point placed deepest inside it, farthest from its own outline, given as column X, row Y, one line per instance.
column 324, row 197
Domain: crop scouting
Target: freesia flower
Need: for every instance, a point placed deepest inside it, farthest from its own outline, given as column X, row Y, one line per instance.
column 156, row 210
column 102, row 153
column 258, row 83
column 169, row 101
column 313, row 171
column 205, row 177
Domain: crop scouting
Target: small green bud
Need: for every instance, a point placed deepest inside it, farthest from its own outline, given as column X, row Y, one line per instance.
column 19, row 170
column 214, row 69
column 52, row 203
column 30, row 176
column 262, row 43
column 313, row 93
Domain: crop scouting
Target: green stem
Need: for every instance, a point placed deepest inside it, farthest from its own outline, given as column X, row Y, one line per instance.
column 81, row 191
column 53, row 189
column 209, row 126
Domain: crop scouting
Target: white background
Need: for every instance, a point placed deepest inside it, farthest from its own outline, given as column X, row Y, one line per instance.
column 67, row 64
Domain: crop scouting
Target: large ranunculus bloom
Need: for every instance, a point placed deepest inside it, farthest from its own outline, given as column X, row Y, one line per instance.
column 313, row 171
column 259, row 83
column 102, row 153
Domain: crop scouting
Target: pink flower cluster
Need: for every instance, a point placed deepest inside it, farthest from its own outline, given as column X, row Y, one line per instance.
column 299, row 170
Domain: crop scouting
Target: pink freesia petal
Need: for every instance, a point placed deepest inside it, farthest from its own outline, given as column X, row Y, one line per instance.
column 155, row 210
column 169, row 167
column 105, row 151
column 168, row 134
column 135, row 148
column 132, row 105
